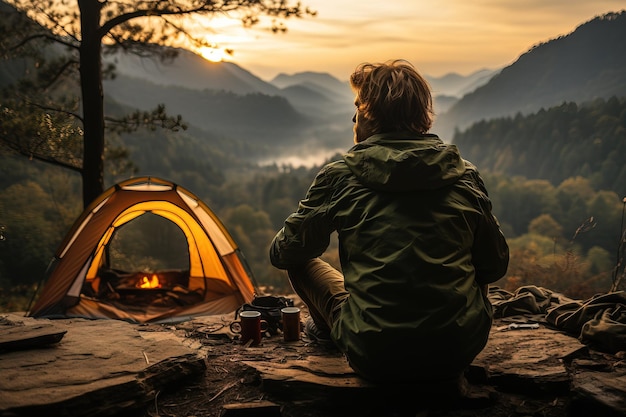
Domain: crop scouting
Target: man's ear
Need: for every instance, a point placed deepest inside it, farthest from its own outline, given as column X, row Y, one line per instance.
column 363, row 128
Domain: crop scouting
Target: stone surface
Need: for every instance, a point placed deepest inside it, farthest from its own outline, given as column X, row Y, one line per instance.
column 99, row 368
column 20, row 337
column 529, row 362
column 105, row 367
column 531, row 358
column 304, row 373
column 603, row 392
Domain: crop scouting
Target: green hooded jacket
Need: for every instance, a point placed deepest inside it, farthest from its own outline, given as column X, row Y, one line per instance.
column 417, row 239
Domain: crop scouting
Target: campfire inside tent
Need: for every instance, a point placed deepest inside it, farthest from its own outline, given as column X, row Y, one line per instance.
column 146, row 263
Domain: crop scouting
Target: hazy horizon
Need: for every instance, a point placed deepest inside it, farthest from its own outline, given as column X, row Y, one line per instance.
column 454, row 37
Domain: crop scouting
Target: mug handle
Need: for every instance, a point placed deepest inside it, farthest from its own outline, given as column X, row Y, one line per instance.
column 264, row 326
column 235, row 327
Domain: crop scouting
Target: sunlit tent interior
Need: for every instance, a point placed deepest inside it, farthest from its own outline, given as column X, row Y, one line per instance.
column 146, row 250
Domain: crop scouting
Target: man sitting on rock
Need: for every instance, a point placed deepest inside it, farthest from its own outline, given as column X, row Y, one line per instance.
column 418, row 243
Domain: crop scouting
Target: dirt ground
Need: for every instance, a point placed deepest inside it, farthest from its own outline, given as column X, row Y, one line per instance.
column 241, row 384
column 228, row 381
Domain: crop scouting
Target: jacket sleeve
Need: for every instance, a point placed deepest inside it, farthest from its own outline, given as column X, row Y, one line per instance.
column 306, row 233
column 490, row 252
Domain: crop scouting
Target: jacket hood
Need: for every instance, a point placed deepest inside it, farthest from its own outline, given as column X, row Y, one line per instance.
column 405, row 161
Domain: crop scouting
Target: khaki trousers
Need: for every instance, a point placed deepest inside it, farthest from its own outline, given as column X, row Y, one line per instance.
column 321, row 288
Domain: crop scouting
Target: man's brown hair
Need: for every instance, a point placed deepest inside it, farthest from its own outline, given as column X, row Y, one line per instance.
column 392, row 96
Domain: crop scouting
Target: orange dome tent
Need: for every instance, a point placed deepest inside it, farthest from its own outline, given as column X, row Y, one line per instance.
column 82, row 282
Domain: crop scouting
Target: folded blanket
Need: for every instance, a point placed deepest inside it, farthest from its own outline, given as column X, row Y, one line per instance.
column 599, row 322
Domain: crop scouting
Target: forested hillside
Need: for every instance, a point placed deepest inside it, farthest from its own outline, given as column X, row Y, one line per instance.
column 557, row 179
column 570, row 140
column 253, row 118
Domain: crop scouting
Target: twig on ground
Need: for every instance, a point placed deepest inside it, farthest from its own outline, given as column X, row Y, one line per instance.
column 220, row 392
column 156, row 401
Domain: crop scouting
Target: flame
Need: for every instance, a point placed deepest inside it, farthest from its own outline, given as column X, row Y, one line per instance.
column 152, row 282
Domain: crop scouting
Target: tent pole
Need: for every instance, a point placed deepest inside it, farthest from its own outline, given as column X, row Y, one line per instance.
column 50, row 267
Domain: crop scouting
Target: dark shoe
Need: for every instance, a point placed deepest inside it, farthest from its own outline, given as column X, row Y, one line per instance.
column 314, row 334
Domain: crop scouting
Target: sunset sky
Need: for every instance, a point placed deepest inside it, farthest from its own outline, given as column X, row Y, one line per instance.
column 438, row 37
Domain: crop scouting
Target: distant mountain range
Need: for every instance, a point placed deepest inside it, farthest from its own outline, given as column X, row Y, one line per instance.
column 226, row 100
column 191, row 71
column 306, row 91
column 586, row 64
column 456, row 85
column 577, row 67
column 306, row 109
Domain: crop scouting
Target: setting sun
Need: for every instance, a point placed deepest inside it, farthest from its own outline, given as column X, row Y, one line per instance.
column 213, row 54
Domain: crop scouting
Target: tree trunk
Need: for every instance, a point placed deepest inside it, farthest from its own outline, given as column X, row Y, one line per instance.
column 92, row 100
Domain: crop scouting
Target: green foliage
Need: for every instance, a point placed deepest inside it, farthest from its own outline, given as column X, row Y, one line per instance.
column 29, row 130
column 148, row 243
column 564, row 272
column 600, row 260
column 253, row 231
column 564, row 221
column 178, row 156
column 591, row 218
column 545, row 225
column 564, row 249
column 562, row 267
column 555, row 144
column 33, row 222
column 15, row 298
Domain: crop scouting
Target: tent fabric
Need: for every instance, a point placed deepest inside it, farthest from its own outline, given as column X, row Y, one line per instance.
column 217, row 277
